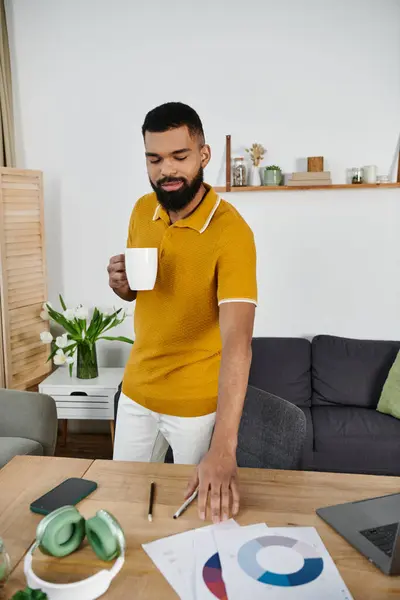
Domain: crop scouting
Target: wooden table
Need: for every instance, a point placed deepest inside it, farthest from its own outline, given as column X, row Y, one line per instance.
column 279, row 498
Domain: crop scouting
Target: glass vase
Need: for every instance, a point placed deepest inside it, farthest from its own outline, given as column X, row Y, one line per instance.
column 86, row 364
column 357, row 175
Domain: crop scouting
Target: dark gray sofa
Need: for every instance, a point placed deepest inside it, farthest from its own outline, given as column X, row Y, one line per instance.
column 337, row 383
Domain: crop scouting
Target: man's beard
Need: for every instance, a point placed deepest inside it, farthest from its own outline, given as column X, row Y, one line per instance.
column 177, row 200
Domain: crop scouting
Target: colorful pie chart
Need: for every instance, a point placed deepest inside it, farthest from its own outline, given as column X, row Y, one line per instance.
column 212, row 575
column 311, row 569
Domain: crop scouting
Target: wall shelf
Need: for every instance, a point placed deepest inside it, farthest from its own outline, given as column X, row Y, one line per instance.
column 228, row 187
column 292, row 188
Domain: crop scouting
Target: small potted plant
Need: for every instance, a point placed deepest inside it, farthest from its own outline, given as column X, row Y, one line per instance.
column 80, row 337
column 256, row 153
column 272, row 175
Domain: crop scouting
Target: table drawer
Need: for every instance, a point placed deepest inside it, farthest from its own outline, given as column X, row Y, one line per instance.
column 88, row 400
column 85, row 413
column 84, row 407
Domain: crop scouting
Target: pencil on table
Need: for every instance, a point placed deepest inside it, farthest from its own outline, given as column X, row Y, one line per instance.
column 151, row 501
column 184, row 506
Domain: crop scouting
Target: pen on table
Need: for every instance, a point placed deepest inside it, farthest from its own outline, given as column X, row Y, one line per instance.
column 184, row 506
column 151, row 501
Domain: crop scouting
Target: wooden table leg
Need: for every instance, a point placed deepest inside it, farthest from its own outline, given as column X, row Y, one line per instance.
column 112, row 429
column 64, row 432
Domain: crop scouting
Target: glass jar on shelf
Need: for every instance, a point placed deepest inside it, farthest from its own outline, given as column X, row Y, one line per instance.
column 383, row 179
column 357, row 175
column 239, row 178
column 4, row 564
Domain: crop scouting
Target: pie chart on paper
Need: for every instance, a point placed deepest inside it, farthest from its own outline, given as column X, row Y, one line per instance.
column 212, row 575
column 312, row 568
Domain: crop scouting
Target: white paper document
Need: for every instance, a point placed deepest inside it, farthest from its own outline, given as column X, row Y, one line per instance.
column 282, row 563
column 175, row 557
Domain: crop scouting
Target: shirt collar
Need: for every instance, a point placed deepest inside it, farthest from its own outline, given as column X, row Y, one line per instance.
column 200, row 218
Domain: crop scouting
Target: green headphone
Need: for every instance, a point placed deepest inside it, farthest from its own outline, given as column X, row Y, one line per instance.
column 4, row 563
column 3, row 572
column 62, row 532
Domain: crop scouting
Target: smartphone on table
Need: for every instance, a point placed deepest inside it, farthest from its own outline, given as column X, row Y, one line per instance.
column 69, row 492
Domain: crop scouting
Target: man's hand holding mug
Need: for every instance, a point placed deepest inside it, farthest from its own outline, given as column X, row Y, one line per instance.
column 134, row 271
column 118, row 280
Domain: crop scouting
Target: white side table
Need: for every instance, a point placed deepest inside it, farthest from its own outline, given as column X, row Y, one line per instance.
column 83, row 398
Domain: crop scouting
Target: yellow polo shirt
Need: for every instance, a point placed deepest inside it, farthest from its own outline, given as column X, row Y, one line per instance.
column 203, row 261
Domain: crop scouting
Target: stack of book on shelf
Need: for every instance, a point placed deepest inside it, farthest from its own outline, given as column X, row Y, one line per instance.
column 309, row 178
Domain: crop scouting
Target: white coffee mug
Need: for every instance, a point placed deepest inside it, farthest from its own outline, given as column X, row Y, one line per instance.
column 141, row 268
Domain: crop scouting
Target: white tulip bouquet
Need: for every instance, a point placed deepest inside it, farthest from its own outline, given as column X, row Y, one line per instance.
column 80, row 335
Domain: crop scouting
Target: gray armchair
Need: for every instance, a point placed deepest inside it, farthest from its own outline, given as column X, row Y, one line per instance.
column 272, row 432
column 28, row 424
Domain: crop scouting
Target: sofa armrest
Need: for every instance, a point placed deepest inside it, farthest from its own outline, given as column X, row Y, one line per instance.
column 29, row 415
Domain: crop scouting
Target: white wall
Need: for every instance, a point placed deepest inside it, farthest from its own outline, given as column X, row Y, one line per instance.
column 304, row 77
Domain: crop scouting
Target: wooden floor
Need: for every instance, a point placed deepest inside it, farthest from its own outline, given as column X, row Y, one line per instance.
column 85, row 445
column 91, row 445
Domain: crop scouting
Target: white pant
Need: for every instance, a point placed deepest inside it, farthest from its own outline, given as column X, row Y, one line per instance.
column 144, row 436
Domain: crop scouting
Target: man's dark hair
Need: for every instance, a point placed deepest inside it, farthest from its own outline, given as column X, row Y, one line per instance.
column 172, row 115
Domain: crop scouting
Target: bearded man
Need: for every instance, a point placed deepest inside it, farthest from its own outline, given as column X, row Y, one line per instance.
column 187, row 375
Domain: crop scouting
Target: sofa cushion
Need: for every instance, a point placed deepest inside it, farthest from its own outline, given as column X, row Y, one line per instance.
column 282, row 366
column 389, row 402
column 352, row 439
column 350, row 372
column 13, row 446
